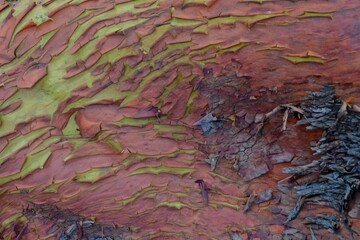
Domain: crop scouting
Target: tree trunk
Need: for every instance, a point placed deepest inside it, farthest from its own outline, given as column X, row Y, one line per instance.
column 99, row 100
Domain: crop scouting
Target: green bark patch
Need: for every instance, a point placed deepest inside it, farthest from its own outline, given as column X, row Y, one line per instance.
column 162, row 169
column 95, row 174
column 310, row 14
column 32, row 163
column 307, row 58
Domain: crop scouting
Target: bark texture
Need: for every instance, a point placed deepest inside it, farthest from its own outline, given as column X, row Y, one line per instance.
column 98, row 101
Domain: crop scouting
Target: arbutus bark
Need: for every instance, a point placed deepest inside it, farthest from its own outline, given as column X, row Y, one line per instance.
column 98, row 101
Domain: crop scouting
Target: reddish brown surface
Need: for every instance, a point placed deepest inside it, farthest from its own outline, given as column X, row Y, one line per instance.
column 167, row 203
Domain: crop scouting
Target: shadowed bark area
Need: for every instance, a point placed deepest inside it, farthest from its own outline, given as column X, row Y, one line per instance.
column 98, row 101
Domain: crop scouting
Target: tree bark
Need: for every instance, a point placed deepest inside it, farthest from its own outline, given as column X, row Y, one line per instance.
column 98, row 101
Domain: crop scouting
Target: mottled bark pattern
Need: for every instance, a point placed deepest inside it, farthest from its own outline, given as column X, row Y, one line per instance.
column 98, row 101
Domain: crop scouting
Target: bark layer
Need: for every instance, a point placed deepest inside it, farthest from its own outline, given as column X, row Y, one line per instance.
column 98, row 101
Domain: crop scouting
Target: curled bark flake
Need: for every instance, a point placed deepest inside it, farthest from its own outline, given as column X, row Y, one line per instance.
column 285, row 118
column 204, row 188
column 249, row 202
column 234, row 236
column 296, row 209
column 209, row 124
column 212, row 161
column 312, row 234
column 22, row 232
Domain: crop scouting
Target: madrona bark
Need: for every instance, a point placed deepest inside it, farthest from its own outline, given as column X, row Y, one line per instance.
column 98, row 101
